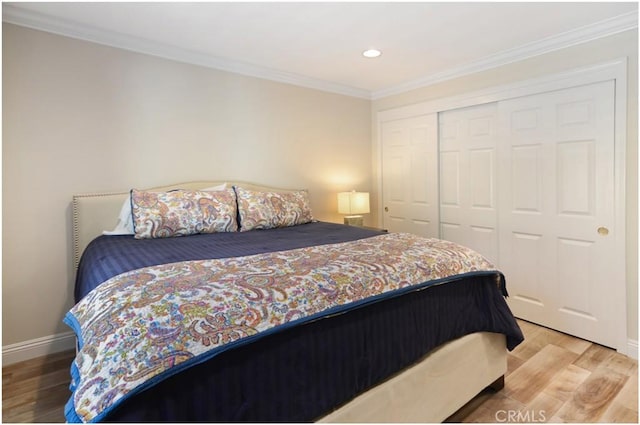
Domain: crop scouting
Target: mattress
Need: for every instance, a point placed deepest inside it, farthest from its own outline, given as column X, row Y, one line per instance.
column 303, row 372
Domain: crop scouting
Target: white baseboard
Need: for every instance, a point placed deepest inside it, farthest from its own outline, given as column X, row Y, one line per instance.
column 632, row 348
column 21, row 351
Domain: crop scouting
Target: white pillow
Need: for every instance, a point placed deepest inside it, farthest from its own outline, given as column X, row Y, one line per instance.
column 125, row 219
column 222, row 186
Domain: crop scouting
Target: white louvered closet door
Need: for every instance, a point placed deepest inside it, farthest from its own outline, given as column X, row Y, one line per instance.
column 557, row 227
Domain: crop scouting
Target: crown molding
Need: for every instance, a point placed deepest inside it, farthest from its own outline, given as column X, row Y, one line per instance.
column 38, row 21
column 580, row 35
column 42, row 22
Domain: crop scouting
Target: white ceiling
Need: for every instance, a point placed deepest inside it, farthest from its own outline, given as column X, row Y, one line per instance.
column 320, row 44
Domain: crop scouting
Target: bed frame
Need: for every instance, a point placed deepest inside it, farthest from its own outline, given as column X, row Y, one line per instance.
column 429, row 391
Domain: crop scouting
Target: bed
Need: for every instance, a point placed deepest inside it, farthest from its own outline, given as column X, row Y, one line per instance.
column 412, row 353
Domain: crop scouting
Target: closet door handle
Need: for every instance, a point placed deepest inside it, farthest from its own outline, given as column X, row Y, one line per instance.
column 603, row 231
column 386, row 209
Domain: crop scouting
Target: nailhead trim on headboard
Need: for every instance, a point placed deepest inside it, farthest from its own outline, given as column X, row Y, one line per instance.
column 76, row 223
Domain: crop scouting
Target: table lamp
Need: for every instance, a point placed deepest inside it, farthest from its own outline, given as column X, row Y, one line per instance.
column 353, row 204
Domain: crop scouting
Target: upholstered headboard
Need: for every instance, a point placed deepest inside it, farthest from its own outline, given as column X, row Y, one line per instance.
column 96, row 212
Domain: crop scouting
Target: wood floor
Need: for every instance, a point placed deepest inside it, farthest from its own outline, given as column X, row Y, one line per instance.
column 552, row 377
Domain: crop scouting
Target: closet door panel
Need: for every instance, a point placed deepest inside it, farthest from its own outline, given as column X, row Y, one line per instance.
column 468, row 209
column 557, row 218
column 410, row 175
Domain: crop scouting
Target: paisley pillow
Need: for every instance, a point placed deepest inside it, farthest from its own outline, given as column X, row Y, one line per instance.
column 125, row 219
column 183, row 212
column 266, row 210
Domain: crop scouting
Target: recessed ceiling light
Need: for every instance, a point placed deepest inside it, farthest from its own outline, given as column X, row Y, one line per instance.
column 371, row 53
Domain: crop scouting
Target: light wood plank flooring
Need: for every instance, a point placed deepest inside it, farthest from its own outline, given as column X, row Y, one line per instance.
column 552, row 377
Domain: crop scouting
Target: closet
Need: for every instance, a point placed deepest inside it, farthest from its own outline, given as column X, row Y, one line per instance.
column 529, row 181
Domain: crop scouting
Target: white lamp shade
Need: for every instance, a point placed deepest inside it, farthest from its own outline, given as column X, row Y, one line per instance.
column 353, row 202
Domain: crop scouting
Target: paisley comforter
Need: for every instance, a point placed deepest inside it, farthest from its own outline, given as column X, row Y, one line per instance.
column 143, row 326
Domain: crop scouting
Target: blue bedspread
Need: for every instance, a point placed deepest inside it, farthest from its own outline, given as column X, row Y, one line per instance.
column 108, row 256
column 145, row 326
column 359, row 345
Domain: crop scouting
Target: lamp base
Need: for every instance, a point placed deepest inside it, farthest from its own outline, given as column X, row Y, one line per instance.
column 354, row 220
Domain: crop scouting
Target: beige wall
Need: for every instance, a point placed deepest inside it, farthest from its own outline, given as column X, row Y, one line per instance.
column 80, row 117
column 598, row 51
